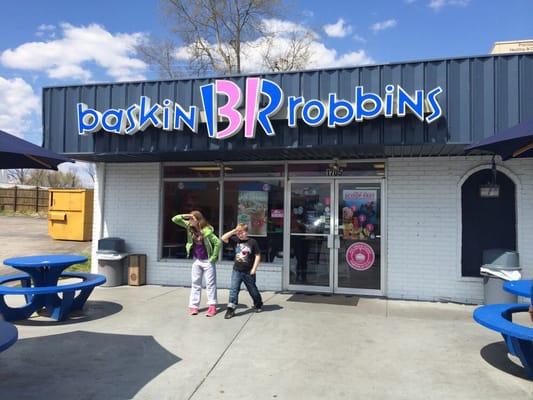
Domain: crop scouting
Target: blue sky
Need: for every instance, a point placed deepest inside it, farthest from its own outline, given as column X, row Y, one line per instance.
column 59, row 42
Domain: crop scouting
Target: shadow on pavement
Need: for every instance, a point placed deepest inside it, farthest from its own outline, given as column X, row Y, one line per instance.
column 92, row 310
column 250, row 310
column 496, row 355
column 82, row 365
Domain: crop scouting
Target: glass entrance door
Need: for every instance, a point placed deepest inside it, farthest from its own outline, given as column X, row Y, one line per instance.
column 311, row 250
column 358, row 237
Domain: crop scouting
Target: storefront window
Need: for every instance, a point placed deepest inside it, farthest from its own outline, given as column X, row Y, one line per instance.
column 181, row 198
column 259, row 204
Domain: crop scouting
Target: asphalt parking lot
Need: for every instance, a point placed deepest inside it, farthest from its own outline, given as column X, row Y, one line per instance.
column 24, row 236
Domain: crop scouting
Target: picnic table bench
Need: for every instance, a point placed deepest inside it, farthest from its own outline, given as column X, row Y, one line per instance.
column 59, row 307
column 518, row 338
column 499, row 318
column 8, row 335
column 39, row 286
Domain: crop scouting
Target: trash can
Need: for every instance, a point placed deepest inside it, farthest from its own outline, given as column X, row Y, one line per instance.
column 499, row 265
column 136, row 269
column 70, row 214
column 112, row 257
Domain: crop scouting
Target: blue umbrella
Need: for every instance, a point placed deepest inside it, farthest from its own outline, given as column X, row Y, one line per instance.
column 516, row 141
column 18, row 153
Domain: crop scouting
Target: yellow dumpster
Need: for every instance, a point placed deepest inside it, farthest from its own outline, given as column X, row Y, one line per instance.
column 70, row 214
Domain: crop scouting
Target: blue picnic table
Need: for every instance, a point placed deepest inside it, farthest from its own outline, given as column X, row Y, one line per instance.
column 499, row 317
column 522, row 287
column 8, row 335
column 39, row 285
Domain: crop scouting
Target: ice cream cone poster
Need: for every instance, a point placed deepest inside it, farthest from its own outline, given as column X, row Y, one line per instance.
column 359, row 214
column 253, row 207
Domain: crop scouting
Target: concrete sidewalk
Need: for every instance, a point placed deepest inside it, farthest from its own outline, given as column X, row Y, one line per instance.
column 140, row 343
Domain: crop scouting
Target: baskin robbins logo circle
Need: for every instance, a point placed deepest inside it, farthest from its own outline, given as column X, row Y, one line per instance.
column 360, row 256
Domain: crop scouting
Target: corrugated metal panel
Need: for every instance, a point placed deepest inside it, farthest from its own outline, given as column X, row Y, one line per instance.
column 482, row 95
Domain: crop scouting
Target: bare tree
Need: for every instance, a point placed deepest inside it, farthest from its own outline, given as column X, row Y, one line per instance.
column 216, row 36
column 18, row 176
column 161, row 55
column 294, row 55
column 91, row 171
column 56, row 179
column 215, row 30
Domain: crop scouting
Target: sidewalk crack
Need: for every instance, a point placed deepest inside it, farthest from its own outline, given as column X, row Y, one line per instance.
column 225, row 351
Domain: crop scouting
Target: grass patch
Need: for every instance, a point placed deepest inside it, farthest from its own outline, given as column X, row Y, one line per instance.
column 85, row 267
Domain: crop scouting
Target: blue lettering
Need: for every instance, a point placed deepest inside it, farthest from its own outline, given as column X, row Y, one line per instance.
column 181, row 117
column 113, row 120
column 209, row 102
column 320, row 112
column 294, row 104
column 361, row 98
column 149, row 114
column 389, row 101
column 434, row 104
column 275, row 102
column 416, row 105
column 334, row 105
column 94, row 119
column 132, row 114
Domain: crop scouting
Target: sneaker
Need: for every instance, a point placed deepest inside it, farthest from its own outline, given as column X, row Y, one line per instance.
column 193, row 311
column 258, row 309
column 211, row 311
column 230, row 312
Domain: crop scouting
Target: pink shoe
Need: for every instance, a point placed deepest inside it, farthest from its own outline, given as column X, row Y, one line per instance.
column 211, row 311
column 193, row 311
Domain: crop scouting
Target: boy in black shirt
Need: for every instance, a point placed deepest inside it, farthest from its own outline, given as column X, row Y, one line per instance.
column 247, row 259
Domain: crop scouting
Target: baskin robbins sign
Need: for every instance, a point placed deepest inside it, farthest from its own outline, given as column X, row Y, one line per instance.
column 171, row 116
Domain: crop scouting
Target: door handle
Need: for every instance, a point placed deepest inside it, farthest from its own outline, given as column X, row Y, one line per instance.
column 331, row 241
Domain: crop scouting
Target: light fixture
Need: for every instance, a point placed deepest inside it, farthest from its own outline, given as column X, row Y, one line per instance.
column 491, row 190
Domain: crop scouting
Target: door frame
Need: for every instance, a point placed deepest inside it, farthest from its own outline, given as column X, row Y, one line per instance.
column 333, row 235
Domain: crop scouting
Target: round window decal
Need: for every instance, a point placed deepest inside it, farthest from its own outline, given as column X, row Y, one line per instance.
column 360, row 256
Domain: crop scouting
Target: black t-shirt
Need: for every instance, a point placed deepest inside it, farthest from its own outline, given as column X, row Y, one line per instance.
column 245, row 251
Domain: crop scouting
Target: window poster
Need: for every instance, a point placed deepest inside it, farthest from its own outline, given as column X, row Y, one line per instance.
column 253, row 208
column 359, row 214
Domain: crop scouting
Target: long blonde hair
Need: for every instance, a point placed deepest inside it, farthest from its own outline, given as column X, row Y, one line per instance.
column 198, row 216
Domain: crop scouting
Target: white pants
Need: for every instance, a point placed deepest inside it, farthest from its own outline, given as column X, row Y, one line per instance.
column 199, row 268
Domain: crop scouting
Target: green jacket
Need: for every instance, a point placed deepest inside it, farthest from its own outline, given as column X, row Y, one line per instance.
column 211, row 242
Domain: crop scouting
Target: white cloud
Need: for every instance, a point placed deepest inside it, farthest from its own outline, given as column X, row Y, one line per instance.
column 67, row 57
column 380, row 26
column 280, row 27
column 280, row 43
column 438, row 4
column 18, row 103
column 358, row 38
column 46, row 30
column 339, row 29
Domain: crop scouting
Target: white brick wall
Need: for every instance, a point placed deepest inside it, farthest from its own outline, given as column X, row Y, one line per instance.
column 423, row 226
column 131, row 208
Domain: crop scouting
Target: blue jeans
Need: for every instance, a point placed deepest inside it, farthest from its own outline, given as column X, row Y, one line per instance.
column 237, row 277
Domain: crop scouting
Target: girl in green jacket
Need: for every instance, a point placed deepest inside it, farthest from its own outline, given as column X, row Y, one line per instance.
column 204, row 246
